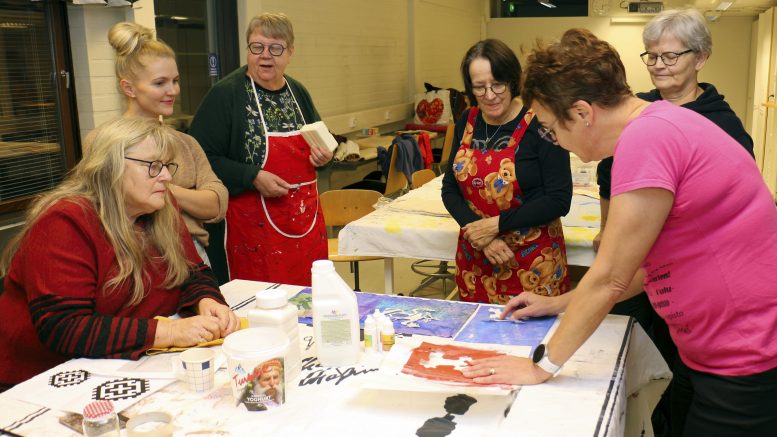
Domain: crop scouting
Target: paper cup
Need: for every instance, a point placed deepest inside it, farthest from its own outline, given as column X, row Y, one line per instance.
column 196, row 368
column 256, row 360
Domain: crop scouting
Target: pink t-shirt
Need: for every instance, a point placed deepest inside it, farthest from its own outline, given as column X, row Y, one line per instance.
column 712, row 272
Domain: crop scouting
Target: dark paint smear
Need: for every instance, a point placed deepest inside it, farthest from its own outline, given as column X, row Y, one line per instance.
column 443, row 426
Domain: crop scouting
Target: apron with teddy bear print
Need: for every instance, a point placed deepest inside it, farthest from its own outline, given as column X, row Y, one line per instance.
column 488, row 182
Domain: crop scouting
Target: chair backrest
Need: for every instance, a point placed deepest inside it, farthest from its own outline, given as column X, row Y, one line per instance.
column 395, row 180
column 421, row 177
column 344, row 206
column 446, row 148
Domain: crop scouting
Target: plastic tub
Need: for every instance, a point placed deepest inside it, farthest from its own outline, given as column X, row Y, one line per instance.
column 256, row 364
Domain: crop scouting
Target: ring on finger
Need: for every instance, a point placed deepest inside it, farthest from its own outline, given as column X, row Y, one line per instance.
column 491, row 371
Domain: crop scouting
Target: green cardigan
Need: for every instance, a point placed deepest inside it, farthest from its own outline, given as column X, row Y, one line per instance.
column 220, row 125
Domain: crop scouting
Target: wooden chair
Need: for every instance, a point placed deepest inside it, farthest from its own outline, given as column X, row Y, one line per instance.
column 421, row 177
column 340, row 208
column 395, row 180
column 447, row 146
column 431, row 270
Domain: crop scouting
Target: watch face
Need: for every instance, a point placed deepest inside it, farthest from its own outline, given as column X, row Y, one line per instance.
column 539, row 352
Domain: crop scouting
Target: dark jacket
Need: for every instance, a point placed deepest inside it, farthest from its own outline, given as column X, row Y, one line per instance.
column 709, row 104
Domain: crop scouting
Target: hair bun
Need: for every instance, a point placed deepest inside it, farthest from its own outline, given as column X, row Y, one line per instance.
column 126, row 37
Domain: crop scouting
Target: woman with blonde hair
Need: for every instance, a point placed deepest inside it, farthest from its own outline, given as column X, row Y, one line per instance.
column 100, row 256
column 148, row 77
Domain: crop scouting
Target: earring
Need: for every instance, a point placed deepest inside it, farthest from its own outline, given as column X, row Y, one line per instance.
column 587, row 124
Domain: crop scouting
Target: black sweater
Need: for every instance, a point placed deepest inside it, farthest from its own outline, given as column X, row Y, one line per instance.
column 542, row 170
column 709, row 104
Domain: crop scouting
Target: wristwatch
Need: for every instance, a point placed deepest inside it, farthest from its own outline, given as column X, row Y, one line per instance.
column 540, row 358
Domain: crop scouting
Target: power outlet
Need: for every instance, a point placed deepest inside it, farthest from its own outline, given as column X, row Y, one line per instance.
column 387, row 115
column 352, row 121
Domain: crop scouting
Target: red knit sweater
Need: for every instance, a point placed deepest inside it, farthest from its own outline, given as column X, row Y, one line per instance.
column 54, row 307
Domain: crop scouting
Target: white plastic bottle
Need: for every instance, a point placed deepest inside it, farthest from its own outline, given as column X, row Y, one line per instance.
column 370, row 334
column 274, row 311
column 335, row 317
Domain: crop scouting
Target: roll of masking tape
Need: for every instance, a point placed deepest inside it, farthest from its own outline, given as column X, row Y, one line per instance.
column 150, row 425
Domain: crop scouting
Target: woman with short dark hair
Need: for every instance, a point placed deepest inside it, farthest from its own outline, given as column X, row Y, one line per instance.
column 506, row 187
column 691, row 222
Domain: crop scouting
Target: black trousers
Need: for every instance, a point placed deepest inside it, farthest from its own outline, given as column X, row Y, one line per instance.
column 704, row 404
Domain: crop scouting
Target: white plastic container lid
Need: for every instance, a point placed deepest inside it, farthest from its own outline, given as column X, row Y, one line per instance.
column 274, row 298
column 253, row 343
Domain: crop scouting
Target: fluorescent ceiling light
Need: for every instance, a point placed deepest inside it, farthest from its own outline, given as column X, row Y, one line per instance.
column 178, row 18
column 724, row 5
column 546, row 3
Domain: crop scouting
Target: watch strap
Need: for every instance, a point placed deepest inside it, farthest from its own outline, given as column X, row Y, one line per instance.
column 546, row 365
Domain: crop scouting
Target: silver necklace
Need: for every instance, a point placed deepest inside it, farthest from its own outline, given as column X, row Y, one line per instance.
column 490, row 137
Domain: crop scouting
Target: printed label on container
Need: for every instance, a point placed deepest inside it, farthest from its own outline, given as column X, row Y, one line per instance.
column 261, row 388
column 336, row 332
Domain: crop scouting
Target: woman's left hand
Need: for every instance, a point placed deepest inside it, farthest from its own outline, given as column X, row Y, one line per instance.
column 319, row 156
column 228, row 321
column 480, row 233
column 506, row 369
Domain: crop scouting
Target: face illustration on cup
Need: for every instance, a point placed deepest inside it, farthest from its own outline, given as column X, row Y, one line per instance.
column 196, row 367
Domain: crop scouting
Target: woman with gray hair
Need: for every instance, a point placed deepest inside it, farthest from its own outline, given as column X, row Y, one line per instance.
column 248, row 124
column 101, row 256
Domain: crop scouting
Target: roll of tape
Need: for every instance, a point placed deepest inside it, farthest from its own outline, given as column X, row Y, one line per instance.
column 150, row 425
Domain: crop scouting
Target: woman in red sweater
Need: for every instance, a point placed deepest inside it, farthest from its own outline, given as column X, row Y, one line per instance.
column 102, row 255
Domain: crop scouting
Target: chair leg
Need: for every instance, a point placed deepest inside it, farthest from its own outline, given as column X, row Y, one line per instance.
column 355, row 268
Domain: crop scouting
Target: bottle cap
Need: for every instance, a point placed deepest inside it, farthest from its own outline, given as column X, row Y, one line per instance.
column 322, row 265
column 274, row 298
column 98, row 409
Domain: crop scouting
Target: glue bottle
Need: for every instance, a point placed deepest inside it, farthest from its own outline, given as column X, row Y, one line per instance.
column 335, row 317
column 387, row 334
column 273, row 311
column 370, row 334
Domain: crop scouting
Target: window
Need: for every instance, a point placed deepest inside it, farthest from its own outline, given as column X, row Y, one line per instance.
column 37, row 145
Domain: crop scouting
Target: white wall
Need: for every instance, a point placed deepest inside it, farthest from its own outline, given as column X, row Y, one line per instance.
column 97, row 94
column 727, row 68
column 364, row 61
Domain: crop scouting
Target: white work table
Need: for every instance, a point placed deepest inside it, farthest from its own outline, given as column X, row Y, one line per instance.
column 607, row 388
column 416, row 225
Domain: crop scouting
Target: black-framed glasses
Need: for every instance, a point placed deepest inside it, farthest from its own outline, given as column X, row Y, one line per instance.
column 548, row 134
column 155, row 167
column 257, row 48
column 496, row 88
column 668, row 58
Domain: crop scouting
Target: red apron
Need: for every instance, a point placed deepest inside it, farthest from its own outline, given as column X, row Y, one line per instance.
column 488, row 182
column 277, row 239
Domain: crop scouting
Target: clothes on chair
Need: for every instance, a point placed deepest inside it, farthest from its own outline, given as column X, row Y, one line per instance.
column 409, row 158
column 425, row 147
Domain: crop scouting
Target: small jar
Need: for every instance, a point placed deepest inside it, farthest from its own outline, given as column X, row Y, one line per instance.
column 101, row 420
column 274, row 311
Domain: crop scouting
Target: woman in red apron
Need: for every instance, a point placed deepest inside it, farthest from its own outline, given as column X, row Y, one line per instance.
column 248, row 124
column 506, row 187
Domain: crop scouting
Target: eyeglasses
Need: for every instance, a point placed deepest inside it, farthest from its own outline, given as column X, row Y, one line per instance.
column 548, row 134
column 496, row 88
column 257, row 48
column 155, row 167
column 668, row 58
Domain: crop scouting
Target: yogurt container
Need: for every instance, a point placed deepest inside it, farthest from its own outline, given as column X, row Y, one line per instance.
column 256, row 361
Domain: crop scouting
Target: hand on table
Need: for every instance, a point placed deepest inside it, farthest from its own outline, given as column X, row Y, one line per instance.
column 499, row 253
column 270, row 185
column 319, row 156
column 189, row 331
column 528, row 304
column 480, row 232
column 506, row 369
column 228, row 321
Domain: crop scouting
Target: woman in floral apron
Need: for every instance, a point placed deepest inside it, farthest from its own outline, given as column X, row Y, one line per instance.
column 248, row 125
column 507, row 187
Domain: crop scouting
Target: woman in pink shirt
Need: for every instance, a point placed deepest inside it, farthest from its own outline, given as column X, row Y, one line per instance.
column 691, row 222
